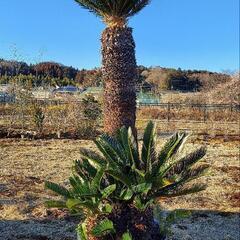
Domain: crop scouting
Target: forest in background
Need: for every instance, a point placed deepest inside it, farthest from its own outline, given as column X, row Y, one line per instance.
column 150, row 78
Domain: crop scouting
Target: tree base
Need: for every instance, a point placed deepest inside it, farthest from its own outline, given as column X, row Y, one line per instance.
column 140, row 224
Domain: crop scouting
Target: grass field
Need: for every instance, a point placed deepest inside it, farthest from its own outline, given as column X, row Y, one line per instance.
column 25, row 165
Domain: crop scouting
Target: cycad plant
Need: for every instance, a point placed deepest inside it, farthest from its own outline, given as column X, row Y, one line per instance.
column 118, row 60
column 117, row 188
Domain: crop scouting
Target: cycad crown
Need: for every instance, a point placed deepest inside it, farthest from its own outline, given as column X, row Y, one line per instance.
column 121, row 174
column 114, row 12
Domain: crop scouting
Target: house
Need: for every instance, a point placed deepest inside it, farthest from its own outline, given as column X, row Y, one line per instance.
column 66, row 90
column 5, row 96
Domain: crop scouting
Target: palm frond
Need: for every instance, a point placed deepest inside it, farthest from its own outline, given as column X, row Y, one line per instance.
column 114, row 8
column 185, row 163
column 185, row 177
column 127, row 236
column 55, row 204
column 80, row 189
column 132, row 150
column 94, row 158
column 103, row 228
column 184, row 191
column 108, row 190
column 119, row 176
column 148, row 149
column 112, row 160
column 114, row 148
column 171, row 148
column 95, row 184
column 57, row 189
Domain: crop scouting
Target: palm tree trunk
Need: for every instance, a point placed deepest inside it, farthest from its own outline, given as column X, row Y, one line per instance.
column 119, row 75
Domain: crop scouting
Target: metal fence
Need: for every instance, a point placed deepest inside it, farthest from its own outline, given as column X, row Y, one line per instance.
column 169, row 111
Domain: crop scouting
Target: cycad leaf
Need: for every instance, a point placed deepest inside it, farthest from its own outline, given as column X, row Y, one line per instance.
column 127, row 236
column 82, row 231
column 195, row 172
column 142, row 188
column 107, row 208
column 95, row 184
column 185, row 163
column 186, row 177
column 81, row 189
column 104, row 149
column 103, row 228
column 108, row 191
column 79, row 170
column 132, row 150
column 76, row 203
column 126, row 194
column 119, row 176
column 185, row 191
column 115, row 148
column 57, row 189
column 55, row 204
column 139, row 204
column 94, row 158
column 172, row 146
column 148, row 148
column 120, row 8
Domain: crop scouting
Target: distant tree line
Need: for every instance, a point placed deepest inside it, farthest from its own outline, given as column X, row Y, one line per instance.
column 184, row 80
column 154, row 78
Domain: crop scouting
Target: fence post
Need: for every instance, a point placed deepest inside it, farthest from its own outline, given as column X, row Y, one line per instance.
column 205, row 113
column 168, row 111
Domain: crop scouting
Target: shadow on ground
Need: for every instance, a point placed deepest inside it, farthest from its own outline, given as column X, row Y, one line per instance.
column 207, row 225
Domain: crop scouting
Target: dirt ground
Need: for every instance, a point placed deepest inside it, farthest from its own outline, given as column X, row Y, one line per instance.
column 25, row 165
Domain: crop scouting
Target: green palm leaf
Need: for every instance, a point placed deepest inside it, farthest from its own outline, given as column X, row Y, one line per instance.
column 58, row 189
column 94, row 158
column 148, row 148
column 55, row 204
column 108, row 191
column 132, row 150
column 185, row 191
column 185, row 163
column 103, row 228
column 127, row 236
column 95, row 184
column 118, row 8
column 172, row 146
column 119, row 176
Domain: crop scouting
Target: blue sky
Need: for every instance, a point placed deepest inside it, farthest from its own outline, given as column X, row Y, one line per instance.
column 191, row 34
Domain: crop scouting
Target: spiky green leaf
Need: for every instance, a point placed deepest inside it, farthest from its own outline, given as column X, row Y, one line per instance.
column 103, row 228
column 57, row 189
column 127, row 236
column 108, row 191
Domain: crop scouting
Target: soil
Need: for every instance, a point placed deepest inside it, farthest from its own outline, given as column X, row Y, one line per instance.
column 26, row 164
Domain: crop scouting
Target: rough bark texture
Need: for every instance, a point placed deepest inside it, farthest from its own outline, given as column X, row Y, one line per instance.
column 119, row 75
column 141, row 224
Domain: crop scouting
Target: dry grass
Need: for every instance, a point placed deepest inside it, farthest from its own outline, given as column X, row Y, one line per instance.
column 188, row 114
column 25, row 165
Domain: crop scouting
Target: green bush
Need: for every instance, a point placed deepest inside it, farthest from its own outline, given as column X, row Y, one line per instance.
column 38, row 117
column 116, row 189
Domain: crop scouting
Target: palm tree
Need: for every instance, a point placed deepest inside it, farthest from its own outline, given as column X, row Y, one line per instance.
column 118, row 60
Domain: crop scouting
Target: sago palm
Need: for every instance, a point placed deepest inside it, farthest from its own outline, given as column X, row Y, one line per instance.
column 118, row 60
column 117, row 188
